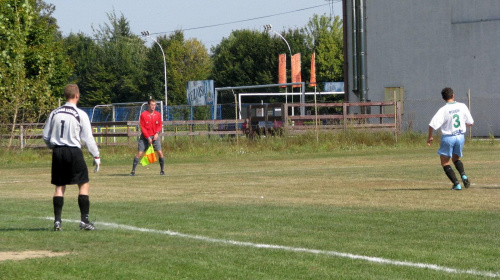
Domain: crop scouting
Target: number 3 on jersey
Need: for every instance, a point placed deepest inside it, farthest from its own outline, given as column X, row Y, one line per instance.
column 456, row 124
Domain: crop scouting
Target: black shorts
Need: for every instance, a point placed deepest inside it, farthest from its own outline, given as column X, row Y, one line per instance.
column 68, row 166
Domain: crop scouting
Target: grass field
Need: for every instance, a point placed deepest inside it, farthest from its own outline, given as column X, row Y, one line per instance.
column 365, row 213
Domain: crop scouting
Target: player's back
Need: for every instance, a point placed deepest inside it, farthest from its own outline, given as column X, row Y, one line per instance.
column 455, row 116
column 65, row 127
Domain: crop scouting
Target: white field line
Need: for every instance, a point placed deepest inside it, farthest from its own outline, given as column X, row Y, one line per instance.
column 301, row 250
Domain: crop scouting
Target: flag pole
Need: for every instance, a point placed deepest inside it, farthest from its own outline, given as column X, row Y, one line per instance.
column 316, row 113
column 313, row 82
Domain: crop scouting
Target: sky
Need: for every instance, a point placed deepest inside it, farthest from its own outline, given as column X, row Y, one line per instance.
column 209, row 21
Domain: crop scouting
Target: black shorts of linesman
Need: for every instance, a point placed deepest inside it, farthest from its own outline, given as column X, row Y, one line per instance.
column 65, row 129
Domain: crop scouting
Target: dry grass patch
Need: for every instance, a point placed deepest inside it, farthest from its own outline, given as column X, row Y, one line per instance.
column 22, row 255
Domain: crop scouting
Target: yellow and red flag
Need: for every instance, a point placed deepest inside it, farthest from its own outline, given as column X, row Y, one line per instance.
column 296, row 69
column 149, row 157
column 282, row 69
column 312, row 82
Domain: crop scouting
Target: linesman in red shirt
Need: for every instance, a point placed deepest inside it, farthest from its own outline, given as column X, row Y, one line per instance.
column 150, row 127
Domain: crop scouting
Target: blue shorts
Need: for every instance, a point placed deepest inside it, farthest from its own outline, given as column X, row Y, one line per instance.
column 451, row 145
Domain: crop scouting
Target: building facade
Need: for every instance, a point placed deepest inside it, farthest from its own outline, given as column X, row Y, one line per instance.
column 412, row 49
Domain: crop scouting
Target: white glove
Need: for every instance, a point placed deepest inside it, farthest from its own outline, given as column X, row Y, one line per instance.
column 97, row 163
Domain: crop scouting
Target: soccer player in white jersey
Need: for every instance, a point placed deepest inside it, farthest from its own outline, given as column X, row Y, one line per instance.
column 65, row 129
column 453, row 119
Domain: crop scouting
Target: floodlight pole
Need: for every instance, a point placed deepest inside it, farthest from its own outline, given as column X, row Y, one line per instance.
column 146, row 34
column 267, row 28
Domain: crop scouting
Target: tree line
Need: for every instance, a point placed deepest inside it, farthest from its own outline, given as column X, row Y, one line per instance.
column 115, row 65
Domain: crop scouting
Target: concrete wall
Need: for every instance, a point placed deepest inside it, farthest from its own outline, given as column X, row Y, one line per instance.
column 426, row 45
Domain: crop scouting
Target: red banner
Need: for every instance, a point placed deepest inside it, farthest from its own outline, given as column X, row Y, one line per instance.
column 282, row 69
column 296, row 69
column 312, row 82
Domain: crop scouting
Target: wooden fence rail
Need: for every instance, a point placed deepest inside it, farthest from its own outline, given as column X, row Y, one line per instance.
column 107, row 133
column 346, row 119
column 347, row 116
column 125, row 132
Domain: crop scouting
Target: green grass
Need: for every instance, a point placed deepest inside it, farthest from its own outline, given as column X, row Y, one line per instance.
column 366, row 197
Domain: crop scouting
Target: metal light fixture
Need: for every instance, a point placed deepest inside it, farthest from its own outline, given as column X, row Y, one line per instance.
column 269, row 28
column 147, row 34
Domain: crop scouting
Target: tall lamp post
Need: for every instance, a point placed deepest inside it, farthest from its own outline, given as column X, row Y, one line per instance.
column 269, row 28
column 146, row 34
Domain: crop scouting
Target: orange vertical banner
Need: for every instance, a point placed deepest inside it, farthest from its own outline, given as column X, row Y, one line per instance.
column 296, row 69
column 282, row 69
column 312, row 82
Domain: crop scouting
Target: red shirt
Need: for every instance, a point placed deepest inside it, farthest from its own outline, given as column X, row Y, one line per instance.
column 150, row 123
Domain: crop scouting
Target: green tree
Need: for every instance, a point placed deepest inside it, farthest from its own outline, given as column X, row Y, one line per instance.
column 324, row 36
column 245, row 58
column 84, row 55
column 33, row 67
column 118, row 73
column 187, row 60
column 251, row 58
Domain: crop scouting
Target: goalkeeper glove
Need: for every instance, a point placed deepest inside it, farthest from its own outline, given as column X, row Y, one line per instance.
column 97, row 163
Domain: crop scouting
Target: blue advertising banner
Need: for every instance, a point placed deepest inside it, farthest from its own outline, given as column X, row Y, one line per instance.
column 201, row 93
column 334, row 87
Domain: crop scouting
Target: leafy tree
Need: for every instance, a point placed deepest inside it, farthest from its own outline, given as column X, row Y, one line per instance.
column 33, row 67
column 324, row 36
column 187, row 60
column 117, row 66
column 118, row 73
column 251, row 58
column 245, row 58
column 84, row 55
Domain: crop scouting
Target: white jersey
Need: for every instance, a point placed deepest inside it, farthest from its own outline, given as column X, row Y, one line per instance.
column 452, row 119
column 66, row 126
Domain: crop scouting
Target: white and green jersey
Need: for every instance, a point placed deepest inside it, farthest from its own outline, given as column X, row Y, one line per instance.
column 67, row 126
column 452, row 119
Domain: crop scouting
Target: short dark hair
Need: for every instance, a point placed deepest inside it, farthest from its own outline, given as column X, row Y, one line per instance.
column 70, row 91
column 447, row 93
column 151, row 100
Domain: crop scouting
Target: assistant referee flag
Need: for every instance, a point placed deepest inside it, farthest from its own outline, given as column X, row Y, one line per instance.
column 149, row 157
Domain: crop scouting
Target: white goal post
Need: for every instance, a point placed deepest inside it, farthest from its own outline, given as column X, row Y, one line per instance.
column 302, row 93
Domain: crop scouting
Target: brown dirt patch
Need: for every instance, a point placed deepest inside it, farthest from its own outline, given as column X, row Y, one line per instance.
column 17, row 256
